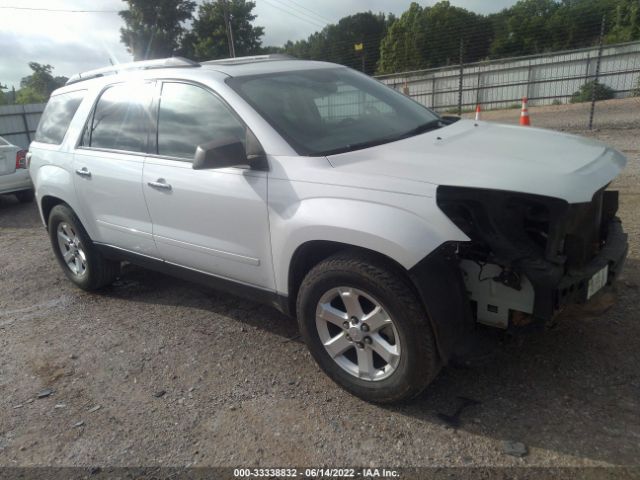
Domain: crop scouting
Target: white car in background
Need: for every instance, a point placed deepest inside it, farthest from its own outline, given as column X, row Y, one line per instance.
column 14, row 174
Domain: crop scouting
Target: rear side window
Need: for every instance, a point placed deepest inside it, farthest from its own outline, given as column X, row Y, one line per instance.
column 121, row 118
column 190, row 116
column 57, row 116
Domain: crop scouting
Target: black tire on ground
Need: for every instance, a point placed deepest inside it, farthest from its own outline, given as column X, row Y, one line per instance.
column 99, row 271
column 419, row 361
column 25, row 196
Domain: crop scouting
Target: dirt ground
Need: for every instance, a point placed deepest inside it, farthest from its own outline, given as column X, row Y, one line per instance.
column 241, row 389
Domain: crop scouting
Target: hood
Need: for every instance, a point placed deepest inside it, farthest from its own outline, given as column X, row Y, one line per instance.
column 493, row 156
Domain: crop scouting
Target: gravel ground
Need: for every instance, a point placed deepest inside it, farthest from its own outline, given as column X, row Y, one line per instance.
column 157, row 371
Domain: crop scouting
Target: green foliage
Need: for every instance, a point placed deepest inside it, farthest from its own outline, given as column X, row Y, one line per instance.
column 422, row 38
column 585, row 94
column 3, row 98
column 154, row 29
column 430, row 36
column 335, row 43
column 626, row 22
column 37, row 87
column 401, row 49
column 29, row 95
column 208, row 37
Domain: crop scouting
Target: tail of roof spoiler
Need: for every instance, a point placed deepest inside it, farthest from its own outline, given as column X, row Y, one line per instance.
column 172, row 62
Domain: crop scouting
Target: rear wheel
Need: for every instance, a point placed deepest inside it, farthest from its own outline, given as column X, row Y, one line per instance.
column 366, row 328
column 25, row 196
column 81, row 262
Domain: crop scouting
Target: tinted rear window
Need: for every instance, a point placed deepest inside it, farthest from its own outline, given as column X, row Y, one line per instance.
column 121, row 118
column 57, row 116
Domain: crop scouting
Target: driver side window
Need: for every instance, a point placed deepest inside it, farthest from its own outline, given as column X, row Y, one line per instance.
column 190, row 116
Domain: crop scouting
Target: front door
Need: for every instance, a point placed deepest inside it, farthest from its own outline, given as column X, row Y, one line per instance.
column 213, row 221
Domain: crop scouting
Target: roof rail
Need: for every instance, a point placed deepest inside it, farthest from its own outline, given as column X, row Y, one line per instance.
column 249, row 59
column 171, row 62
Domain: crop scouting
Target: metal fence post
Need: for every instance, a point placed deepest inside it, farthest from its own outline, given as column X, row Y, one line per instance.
column 26, row 124
column 529, row 69
column 433, row 91
column 594, row 85
column 460, row 80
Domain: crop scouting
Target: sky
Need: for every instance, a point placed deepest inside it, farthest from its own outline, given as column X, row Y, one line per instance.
column 78, row 41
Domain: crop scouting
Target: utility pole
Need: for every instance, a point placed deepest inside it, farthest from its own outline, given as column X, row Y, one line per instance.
column 227, row 23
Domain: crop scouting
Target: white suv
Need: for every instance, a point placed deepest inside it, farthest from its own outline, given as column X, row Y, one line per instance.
column 388, row 231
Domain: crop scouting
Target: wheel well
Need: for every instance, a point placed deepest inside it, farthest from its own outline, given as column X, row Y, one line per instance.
column 309, row 254
column 47, row 204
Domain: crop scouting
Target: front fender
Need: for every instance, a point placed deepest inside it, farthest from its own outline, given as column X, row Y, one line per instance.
column 405, row 233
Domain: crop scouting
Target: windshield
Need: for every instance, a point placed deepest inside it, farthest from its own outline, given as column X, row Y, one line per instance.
column 328, row 111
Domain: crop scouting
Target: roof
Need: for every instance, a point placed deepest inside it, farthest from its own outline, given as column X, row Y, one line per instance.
column 263, row 67
column 233, row 67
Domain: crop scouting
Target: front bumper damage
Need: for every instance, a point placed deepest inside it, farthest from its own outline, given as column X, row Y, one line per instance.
column 530, row 256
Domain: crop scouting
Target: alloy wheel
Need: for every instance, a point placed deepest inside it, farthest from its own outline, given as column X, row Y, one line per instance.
column 71, row 249
column 358, row 333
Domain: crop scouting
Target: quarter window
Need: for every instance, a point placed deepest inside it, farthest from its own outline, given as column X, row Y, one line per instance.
column 121, row 118
column 190, row 116
column 57, row 116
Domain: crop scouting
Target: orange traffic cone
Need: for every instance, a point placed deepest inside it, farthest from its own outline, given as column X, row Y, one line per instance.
column 524, row 113
column 477, row 112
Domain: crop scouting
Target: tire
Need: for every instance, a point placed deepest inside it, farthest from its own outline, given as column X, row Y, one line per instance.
column 90, row 270
column 25, row 196
column 380, row 285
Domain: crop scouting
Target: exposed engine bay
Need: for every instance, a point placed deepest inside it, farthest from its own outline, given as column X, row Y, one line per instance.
column 530, row 255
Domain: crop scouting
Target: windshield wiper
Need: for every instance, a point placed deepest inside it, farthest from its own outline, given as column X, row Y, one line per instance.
column 425, row 127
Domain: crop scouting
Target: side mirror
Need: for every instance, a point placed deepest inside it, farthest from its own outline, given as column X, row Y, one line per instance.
column 229, row 151
column 220, row 153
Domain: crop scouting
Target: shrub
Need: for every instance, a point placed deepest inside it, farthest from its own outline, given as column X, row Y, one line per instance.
column 585, row 94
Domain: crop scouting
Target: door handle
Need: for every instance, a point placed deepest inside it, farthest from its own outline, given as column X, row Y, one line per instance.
column 160, row 183
column 83, row 172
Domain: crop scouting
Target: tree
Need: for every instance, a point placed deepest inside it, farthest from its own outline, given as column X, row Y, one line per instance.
column 154, row 29
column 401, row 48
column 431, row 37
column 626, row 22
column 447, row 27
column 208, row 38
column 37, row 87
column 336, row 43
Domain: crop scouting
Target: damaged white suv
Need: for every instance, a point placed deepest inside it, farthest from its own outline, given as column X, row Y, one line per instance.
column 388, row 231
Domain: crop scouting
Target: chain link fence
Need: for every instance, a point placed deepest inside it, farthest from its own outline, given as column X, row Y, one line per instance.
column 549, row 79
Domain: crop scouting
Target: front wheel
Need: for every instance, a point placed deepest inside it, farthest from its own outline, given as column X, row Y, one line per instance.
column 366, row 328
column 81, row 262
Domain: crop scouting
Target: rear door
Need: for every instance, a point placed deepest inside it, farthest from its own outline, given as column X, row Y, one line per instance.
column 108, row 167
column 214, row 221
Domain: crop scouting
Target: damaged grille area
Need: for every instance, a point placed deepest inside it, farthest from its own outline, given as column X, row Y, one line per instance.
column 551, row 242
